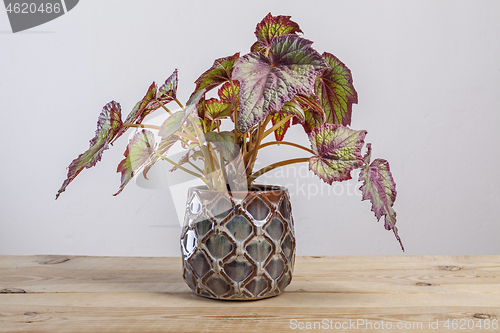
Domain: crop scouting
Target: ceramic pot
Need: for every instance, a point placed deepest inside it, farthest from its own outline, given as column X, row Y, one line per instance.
column 238, row 246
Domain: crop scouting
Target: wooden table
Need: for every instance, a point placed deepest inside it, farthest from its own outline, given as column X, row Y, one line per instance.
column 356, row 294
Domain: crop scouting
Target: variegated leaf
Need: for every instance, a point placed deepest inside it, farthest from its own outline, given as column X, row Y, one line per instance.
column 226, row 92
column 175, row 121
column 294, row 109
column 270, row 28
column 336, row 92
column 313, row 113
column 379, row 187
column 279, row 133
column 151, row 102
column 163, row 148
column 172, row 124
column 108, row 127
column 223, row 141
column 337, row 152
column 312, row 120
column 219, row 73
column 168, row 91
column 137, row 154
column 217, row 109
column 309, row 103
column 143, row 107
column 267, row 83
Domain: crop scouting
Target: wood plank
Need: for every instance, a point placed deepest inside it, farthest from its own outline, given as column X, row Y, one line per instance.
column 100, row 294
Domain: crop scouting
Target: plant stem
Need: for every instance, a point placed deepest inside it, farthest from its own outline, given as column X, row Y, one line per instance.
column 237, row 135
column 184, row 135
column 215, row 179
column 163, row 106
column 194, row 166
column 142, row 126
column 183, row 168
column 273, row 166
column 218, row 167
column 223, row 169
column 253, row 156
column 179, row 103
column 187, row 136
column 251, row 150
column 199, row 139
column 286, row 143
column 207, row 156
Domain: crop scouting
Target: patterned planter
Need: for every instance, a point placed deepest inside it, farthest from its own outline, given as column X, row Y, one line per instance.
column 238, row 247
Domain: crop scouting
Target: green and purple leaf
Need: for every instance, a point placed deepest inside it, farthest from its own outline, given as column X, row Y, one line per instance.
column 310, row 103
column 151, row 102
column 143, row 107
column 336, row 92
column 267, row 83
column 223, row 141
column 217, row 109
column 140, row 110
column 231, row 94
column 108, row 126
column 168, row 91
column 173, row 123
column 137, row 154
column 279, row 133
column 337, row 152
column 379, row 187
column 219, row 73
column 163, row 148
column 270, row 28
column 293, row 108
column 290, row 108
column 226, row 92
column 312, row 120
column 313, row 114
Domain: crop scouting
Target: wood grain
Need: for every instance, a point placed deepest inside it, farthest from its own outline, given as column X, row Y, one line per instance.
column 118, row 294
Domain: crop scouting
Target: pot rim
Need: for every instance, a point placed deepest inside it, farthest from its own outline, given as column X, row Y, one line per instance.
column 261, row 188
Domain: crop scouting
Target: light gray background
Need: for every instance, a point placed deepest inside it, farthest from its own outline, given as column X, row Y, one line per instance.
column 428, row 78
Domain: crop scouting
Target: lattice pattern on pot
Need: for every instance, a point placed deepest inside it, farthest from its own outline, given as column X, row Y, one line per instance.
column 238, row 250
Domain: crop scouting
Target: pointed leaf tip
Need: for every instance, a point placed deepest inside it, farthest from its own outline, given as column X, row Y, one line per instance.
column 168, row 91
column 219, row 73
column 280, row 132
column 109, row 126
column 271, row 27
column 151, row 102
column 379, row 187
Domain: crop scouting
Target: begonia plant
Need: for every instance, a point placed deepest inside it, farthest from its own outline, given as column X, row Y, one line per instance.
column 282, row 82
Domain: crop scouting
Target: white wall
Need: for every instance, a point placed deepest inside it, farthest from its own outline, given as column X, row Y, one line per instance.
column 428, row 78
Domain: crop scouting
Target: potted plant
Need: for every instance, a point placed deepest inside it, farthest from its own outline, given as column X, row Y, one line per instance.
column 238, row 239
